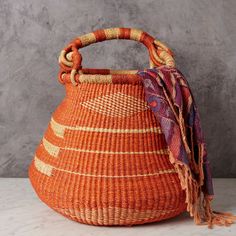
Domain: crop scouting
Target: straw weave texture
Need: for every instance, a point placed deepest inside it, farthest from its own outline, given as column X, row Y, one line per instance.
column 103, row 159
column 106, row 167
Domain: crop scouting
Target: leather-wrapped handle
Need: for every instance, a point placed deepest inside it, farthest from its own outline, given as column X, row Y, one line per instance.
column 70, row 59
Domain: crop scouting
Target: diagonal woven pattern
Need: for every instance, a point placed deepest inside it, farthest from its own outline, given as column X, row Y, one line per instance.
column 117, row 105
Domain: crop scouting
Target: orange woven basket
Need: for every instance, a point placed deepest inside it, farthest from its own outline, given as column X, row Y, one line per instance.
column 103, row 159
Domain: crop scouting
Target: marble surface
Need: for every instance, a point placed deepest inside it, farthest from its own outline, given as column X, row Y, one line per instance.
column 22, row 214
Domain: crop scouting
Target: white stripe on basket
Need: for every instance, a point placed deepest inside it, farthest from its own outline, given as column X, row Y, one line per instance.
column 54, row 150
column 47, row 170
column 59, row 129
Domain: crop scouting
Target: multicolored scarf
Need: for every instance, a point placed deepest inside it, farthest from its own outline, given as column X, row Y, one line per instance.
column 170, row 98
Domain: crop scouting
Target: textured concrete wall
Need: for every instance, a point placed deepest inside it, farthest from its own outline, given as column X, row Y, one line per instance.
column 202, row 34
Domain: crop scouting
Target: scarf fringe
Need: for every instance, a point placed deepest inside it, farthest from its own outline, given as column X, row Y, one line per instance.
column 198, row 208
column 170, row 82
column 214, row 217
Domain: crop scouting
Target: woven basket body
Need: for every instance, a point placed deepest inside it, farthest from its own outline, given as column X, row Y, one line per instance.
column 103, row 159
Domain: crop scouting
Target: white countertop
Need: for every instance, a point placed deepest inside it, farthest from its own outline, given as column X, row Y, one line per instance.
column 23, row 214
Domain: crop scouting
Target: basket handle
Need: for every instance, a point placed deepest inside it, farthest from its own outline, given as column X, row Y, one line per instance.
column 70, row 59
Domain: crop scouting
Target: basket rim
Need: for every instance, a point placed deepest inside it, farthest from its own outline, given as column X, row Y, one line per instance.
column 103, row 76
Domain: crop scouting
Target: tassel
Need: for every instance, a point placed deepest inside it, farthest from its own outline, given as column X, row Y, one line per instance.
column 193, row 174
column 214, row 217
column 200, row 209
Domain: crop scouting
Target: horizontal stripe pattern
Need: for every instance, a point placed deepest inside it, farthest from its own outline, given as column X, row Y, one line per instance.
column 54, row 150
column 113, row 215
column 59, row 129
column 47, row 170
column 43, row 167
column 50, row 148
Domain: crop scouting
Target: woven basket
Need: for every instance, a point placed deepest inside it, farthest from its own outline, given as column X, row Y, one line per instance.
column 103, row 159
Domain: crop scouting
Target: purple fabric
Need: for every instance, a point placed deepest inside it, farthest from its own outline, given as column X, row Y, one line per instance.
column 169, row 96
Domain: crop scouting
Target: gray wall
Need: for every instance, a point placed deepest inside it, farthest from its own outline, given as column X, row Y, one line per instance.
column 202, row 34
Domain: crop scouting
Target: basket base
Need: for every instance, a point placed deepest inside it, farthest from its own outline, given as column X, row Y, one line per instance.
column 110, row 216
